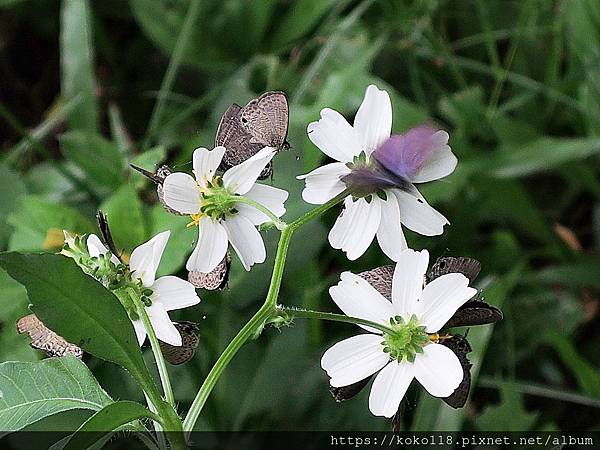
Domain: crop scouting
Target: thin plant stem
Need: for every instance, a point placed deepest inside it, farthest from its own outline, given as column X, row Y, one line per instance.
column 158, row 356
column 291, row 313
column 279, row 224
column 257, row 322
column 160, row 436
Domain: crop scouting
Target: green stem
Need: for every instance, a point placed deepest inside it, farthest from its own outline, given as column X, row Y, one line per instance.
column 255, row 324
column 291, row 313
column 160, row 435
column 158, row 356
column 279, row 224
column 316, row 212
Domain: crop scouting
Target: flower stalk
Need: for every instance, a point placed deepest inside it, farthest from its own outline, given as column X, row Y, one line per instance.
column 156, row 351
column 267, row 310
column 290, row 313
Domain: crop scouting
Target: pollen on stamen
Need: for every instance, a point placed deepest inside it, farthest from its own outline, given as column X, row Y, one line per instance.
column 195, row 220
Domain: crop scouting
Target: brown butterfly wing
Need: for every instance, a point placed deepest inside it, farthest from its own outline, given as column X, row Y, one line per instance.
column 43, row 338
column 461, row 347
column 189, row 342
column 237, row 141
column 215, row 279
column 266, row 119
column 381, row 279
column 469, row 267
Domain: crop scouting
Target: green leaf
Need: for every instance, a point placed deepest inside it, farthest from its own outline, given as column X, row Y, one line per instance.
column 13, row 306
column 586, row 374
column 301, row 17
column 162, row 21
column 118, row 130
column 509, row 415
column 77, row 63
column 34, row 390
column 80, row 309
column 126, row 219
column 38, row 224
column 541, row 155
column 100, row 159
column 12, row 188
column 579, row 274
column 109, row 418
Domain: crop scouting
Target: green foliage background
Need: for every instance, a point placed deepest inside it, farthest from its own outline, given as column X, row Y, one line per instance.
column 88, row 87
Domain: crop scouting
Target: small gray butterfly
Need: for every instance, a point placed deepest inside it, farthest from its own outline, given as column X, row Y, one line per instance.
column 189, row 343
column 43, row 338
column 266, row 119
column 215, row 279
column 245, row 131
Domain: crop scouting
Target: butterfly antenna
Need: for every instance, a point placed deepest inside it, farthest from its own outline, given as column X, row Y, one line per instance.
column 105, row 230
column 147, row 174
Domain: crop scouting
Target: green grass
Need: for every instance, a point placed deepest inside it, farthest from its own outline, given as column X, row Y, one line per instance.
column 516, row 83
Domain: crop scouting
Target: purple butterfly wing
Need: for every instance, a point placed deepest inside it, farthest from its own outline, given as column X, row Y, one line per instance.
column 405, row 154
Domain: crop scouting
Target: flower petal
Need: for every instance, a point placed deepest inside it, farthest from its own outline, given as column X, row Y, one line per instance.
column 145, row 259
column 210, row 248
column 162, row 324
column 389, row 234
column 438, row 370
column 334, row 136
column 357, row 298
column 270, row 197
column 206, row 163
column 354, row 359
column 324, row 183
column 180, row 192
column 174, row 293
column 440, row 163
column 245, row 240
column 389, row 388
column 240, row 178
column 418, row 215
column 140, row 331
column 407, row 284
column 441, row 298
column 355, row 228
column 97, row 248
column 373, row 121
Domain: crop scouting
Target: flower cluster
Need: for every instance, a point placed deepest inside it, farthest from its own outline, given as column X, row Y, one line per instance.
column 374, row 174
column 137, row 280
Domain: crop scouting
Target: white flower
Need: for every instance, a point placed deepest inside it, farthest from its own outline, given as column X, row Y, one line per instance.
column 97, row 248
column 207, row 198
column 168, row 292
column 423, row 311
column 372, row 161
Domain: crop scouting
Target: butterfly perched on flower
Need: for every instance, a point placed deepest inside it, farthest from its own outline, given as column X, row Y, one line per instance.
column 244, row 131
column 445, row 284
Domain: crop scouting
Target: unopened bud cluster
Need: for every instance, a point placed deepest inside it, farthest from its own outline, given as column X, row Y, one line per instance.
column 115, row 277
